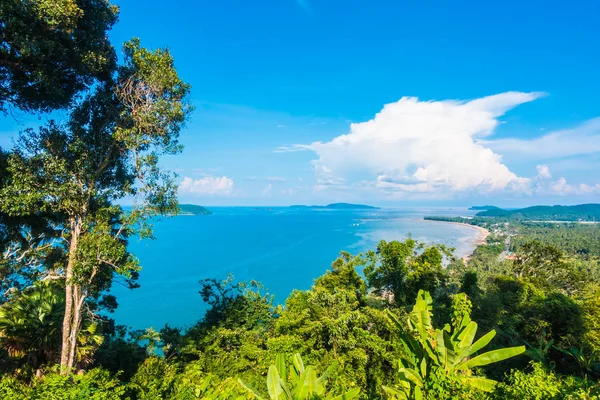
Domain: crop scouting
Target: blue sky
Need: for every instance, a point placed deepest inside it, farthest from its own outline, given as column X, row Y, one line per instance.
column 486, row 101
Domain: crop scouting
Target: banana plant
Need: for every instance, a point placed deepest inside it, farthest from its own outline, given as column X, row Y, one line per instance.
column 304, row 384
column 433, row 354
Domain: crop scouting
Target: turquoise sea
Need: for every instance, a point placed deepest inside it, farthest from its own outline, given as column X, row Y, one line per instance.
column 284, row 248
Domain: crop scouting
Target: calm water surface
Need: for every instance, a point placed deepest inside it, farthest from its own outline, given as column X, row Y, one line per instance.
column 283, row 248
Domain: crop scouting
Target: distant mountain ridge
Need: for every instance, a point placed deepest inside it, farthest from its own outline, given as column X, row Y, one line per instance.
column 339, row 206
column 583, row 212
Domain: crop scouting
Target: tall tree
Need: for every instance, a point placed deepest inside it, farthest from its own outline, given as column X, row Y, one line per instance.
column 50, row 50
column 401, row 269
column 108, row 150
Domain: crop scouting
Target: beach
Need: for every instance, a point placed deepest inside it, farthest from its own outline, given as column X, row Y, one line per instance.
column 482, row 234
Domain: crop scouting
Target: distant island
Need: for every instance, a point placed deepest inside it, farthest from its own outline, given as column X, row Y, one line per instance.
column 581, row 212
column 339, row 206
column 483, row 208
column 193, row 209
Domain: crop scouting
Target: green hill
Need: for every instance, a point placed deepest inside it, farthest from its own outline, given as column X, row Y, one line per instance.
column 193, row 209
column 483, row 208
column 583, row 212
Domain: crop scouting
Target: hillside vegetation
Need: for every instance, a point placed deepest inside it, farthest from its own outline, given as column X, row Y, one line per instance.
column 583, row 212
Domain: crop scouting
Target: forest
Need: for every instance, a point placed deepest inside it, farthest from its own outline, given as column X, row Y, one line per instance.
column 406, row 320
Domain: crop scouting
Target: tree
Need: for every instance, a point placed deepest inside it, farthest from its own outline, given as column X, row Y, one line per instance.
column 50, row 50
column 108, row 150
column 335, row 321
column 400, row 269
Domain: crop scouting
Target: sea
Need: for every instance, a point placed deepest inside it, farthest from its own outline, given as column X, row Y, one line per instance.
column 283, row 248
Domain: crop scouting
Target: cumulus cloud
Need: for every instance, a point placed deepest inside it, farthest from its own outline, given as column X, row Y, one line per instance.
column 207, row 185
column 563, row 188
column 543, row 172
column 421, row 147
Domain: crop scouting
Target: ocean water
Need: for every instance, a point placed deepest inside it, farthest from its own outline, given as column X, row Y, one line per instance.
column 283, row 248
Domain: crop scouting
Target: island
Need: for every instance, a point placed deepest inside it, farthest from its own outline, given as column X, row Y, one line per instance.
column 338, row 206
column 193, row 209
column 483, row 208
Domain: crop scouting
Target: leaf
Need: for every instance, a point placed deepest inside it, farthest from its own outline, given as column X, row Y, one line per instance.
column 307, row 386
column 418, row 393
column 250, row 389
column 467, row 335
column 394, row 392
column 273, row 385
column 487, row 385
column 424, row 368
column 298, row 363
column 492, row 357
column 351, row 394
column 280, row 364
column 410, row 375
column 483, row 341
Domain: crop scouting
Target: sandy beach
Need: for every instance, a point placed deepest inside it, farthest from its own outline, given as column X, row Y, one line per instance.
column 482, row 234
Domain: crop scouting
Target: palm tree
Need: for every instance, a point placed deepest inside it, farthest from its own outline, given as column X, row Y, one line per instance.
column 31, row 322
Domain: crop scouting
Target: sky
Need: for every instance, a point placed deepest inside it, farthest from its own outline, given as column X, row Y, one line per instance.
column 382, row 102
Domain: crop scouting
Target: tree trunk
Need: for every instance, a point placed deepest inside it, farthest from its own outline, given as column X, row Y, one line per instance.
column 78, row 299
column 70, row 328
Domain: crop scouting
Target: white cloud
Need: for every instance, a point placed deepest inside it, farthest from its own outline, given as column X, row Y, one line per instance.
column 562, row 187
column 583, row 139
column 291, row 149
column 267, row 190
column 288, row 192
column 543, row 172
column 207, row 185
column 421, row 147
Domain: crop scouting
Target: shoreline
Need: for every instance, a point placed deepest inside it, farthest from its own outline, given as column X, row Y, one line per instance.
column 482, row 234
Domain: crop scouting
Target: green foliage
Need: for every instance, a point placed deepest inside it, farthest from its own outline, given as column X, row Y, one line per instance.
column 335, row 321
column 95, row 384
column 120, row 353
column 585, row 212
column 575, row 239
column 51, row 50
column 108, row 150
column 158, row 379
column 303, row 384
column 437, row 363
column 400, row 269
column 543, row 384
column 30, row 326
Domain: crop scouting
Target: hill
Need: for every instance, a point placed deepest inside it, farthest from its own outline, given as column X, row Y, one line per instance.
column 483, row 208
column 193, row 209
column 339, row 206
column 583, row 212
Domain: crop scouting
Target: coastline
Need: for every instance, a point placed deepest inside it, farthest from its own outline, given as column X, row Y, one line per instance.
column 482, row 234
